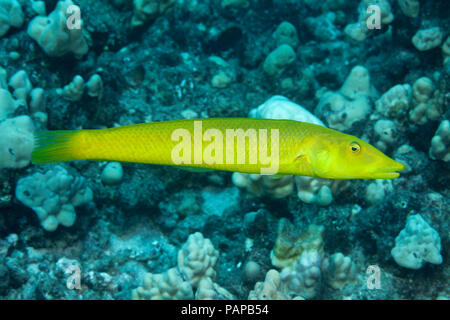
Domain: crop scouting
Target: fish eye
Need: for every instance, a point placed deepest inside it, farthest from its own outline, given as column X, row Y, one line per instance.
column 354, row 147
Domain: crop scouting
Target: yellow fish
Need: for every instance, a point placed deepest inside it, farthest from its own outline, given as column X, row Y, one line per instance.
column 262, row 146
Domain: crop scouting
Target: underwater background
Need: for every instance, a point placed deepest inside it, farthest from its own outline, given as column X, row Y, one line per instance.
column 376, row 69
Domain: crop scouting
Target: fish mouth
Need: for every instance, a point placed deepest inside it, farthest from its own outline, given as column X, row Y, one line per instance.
column 389, row 172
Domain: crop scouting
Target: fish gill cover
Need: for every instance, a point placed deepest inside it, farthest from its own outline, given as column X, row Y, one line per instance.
column 374, row 69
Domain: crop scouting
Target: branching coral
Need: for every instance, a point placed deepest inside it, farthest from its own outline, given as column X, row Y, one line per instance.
column 168, row 285
column 54, row 196
column 7, row 104
column 395, row 102
column 279, row 107
column 341, row 271
column 275, row 187
column 209, row 290
column 350, row 104
column 196, row 261
column 304, row 277
column 359, row 31
column 446, row 51
column 377, row 190
column 425, row 106
column 277, row 61
column 270, row 289
column 197, row 258
column 385, row 133
column 53, row 35
column 286, row 34
column 11, row 15
column 74, row 91
column 315, row 190
column 16, row 142
column 427, row 39
column 291, row 243
column 440, row 143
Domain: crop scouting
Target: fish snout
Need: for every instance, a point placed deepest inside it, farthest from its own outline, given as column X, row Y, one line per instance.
column 389, row 170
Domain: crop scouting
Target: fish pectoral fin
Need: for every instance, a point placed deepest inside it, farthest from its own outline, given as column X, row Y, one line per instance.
column 303, row 164
column 300, row 158
column 194, row 169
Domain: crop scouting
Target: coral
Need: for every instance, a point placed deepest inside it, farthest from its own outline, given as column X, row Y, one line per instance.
column 270, row 289
column 340, row 271
column 279, row 107
column 221, row 80
column 377, row 190
column 37, row 100
column 94, row 87
column 395, row 102
column 112, row 173
column 208, row 290
column 425, row 107
column 168, row 285
column 277, row 61
column 252, row 270
column 359, row 31
column 74, row 91
column 413, row 160
column 11, row 15
column 53, row 35
column 16, row 143
column 22, row 89
column 427, row 39
column 416, row 244
column 147, row 10
column 446, row 50
column 410, row 8
column 276, row 187
column 38, row 7
column 304, row 277
column 322, row 27
column 286, row 34
column 53, row 196
column 440, row 143
column 315, row 190
column 357, row 83
column 385, row 133
column 291, row 243
column 3, row 78
column 197, row 258
column 7, row 104
column 21, row 85
column 38, row 108
column 224, row 75
column 350, row 104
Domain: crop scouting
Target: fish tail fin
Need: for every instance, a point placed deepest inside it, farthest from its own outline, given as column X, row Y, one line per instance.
column 54, row 146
